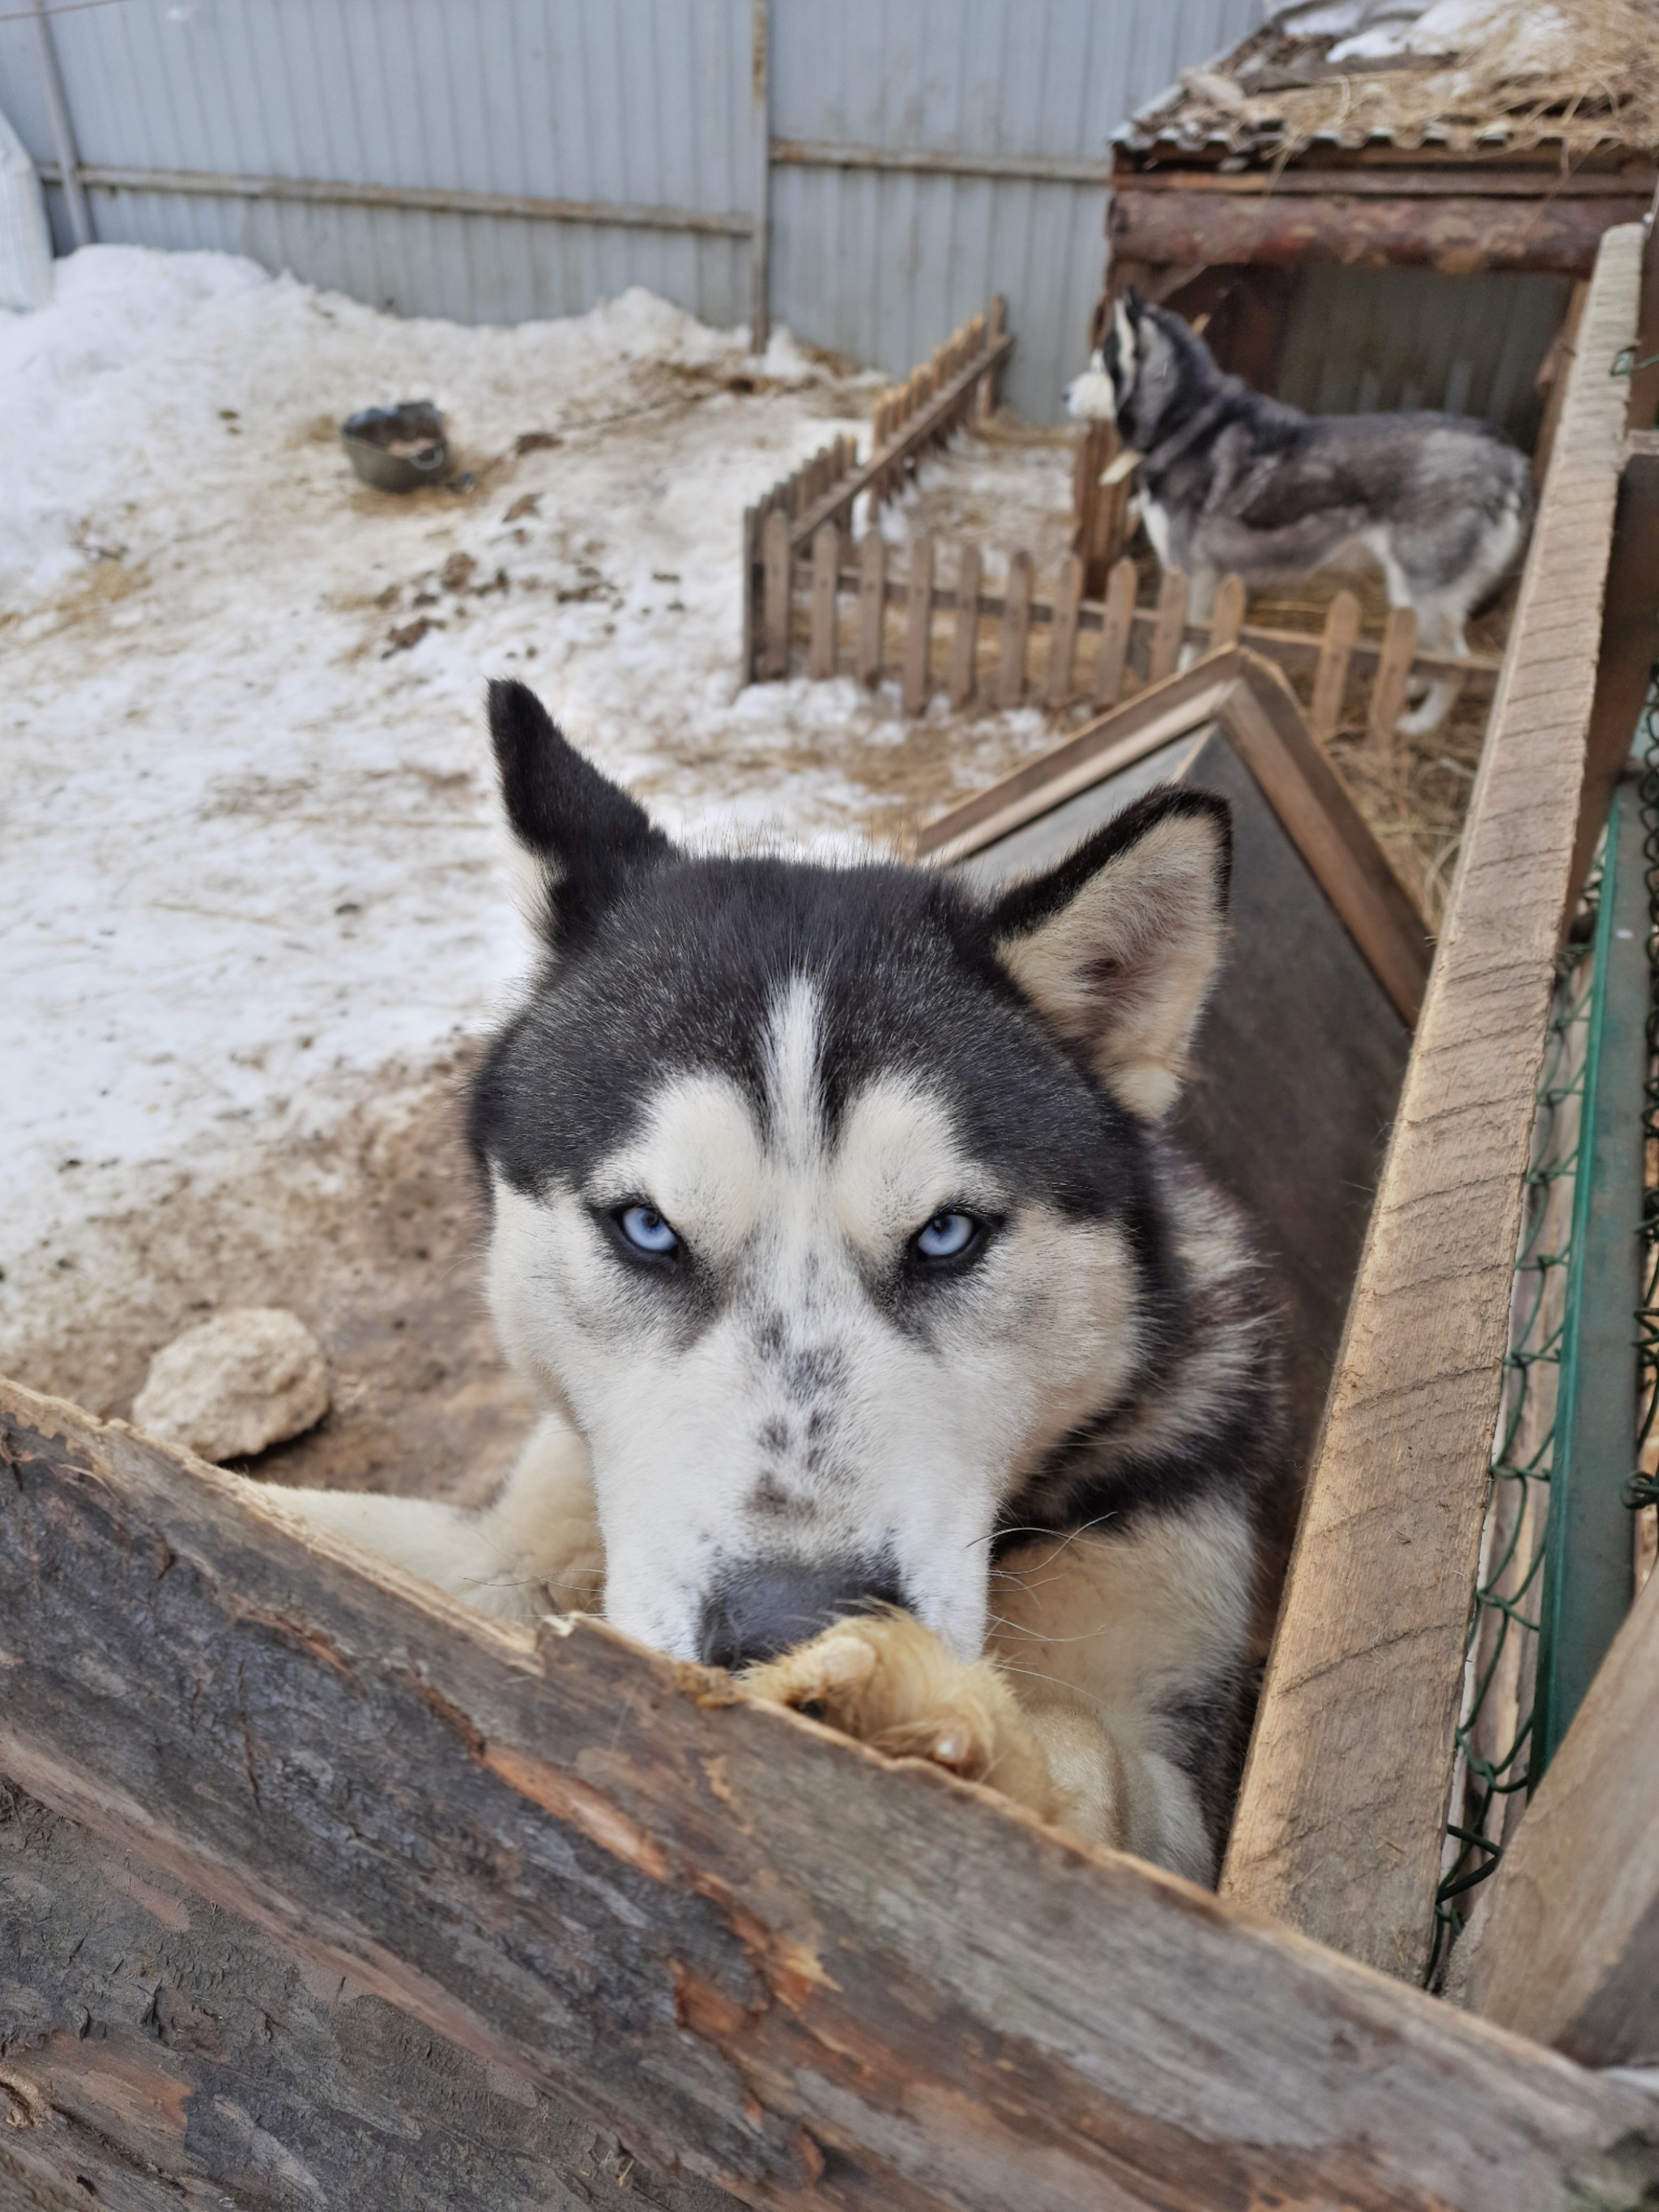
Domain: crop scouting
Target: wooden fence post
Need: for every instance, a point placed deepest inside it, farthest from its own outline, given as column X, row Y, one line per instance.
column 965, row 640
column 1062, row 635
column 872, row 605
column 1115, row 623
column 1331, row 677
column 826, row 573
column 1394, row 670
column 1016, row 624
column 918, row 625
column 1169, row 632
column 1227, row 615
column 774, row 543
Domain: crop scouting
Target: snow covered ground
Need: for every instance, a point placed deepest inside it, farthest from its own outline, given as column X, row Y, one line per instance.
column 250, row 859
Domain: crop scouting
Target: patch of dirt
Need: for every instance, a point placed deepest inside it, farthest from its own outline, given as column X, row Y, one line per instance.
column 374, row 1236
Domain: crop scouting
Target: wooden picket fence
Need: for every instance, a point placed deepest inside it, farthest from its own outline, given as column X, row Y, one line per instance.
column 856, row 616
column 910, row 420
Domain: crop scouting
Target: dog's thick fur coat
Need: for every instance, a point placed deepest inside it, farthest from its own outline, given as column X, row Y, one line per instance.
column 1233, row 482
column 892, row 1354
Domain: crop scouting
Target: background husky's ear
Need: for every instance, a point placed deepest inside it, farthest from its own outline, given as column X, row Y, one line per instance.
column 1117, row 947
column 581, row 836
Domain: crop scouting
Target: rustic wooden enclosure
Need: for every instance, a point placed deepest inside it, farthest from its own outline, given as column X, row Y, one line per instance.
column 865, row 615
column 316, row 1889
column 912, row 419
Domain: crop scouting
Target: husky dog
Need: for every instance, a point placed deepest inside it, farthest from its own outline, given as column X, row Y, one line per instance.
column 890, row 1350
column 1234, row 482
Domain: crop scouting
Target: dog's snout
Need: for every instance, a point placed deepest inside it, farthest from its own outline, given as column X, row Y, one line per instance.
column 762, row 1607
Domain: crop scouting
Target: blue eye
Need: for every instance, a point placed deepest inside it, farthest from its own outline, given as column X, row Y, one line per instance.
column 946, row 1237
column 646, row 1229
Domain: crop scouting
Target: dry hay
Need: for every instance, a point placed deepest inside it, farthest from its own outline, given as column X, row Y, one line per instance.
column 1574, row 73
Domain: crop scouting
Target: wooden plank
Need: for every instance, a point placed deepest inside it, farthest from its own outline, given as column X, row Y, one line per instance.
column 754, row 586
column 1394, row 668
column 1016, row 625
column 1342, row 1817
column 1335, row 657
column 1380, row 180
column 1170, row 628
column 1117, row 620
column 826, row 573
column 1261, row 717
column 918, row 624
column 1156, row 715
column 872, row 605
column 1565, row 1946
column 156, row 2041
column 1062, row 635
column 1227, row 615
column 1553, row 376
column 1456, row 233
column 1630, row 646
column 777, row 562
column 964, row 636
column 735, row 1937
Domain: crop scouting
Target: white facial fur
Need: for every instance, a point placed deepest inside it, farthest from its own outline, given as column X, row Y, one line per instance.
column 1089, row 398
column 799, row 1415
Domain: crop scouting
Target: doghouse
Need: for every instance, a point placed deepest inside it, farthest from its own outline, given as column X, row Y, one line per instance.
column 320, row 1891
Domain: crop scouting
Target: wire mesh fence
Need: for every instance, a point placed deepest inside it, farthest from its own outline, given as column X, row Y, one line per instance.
column 1498, row 1739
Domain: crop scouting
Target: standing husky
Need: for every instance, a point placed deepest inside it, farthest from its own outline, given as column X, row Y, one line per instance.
column 1234, row 482
column 878, row 1324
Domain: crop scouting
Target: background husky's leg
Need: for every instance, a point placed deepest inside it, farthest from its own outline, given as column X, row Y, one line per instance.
column 535, row 1549
column 1439, row 629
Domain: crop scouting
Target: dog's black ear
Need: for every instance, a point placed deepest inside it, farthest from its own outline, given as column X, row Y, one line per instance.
column 580, row 837
column 1117, row 947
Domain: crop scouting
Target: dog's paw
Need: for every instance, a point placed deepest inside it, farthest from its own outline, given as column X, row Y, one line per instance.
column 888, row 1681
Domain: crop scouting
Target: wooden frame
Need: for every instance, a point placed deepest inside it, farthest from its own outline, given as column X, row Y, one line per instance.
column 1249, row 701
column 598, row 1878
column 1341, row 1819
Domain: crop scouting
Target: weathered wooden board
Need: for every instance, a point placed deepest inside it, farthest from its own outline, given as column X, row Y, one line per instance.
column 1201, row 229
column 735, row 1939
column 169, row 2053
column 1565, row 1944
column 1341, row 1818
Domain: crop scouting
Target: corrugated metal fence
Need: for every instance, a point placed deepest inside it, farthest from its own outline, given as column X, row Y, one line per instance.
column 871, row 172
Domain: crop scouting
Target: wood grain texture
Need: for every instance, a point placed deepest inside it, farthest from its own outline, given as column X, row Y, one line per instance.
column 1457, row 234
column 826, row 571
column 1062, row 635
column 778, row 565
column 872, row 605
column 1016, row 628
column 1393, row 669
column 1565, row 1946
column 1330, row 687
column 918, row 625
column 1341, row 1815
column 168, row 2052
column 965, row 635
column 1169, row 628
column 1117, row 620
column 810, row 1975
column 1227, row 615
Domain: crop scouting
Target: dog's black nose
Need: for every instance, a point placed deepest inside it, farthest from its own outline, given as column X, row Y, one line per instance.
column 761, row 1606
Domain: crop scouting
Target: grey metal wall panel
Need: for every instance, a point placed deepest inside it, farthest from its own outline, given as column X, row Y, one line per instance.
column 641, row 101
column 1362, row 339
column 884, row 266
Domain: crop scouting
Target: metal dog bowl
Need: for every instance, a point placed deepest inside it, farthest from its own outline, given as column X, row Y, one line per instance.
column 398, row 448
